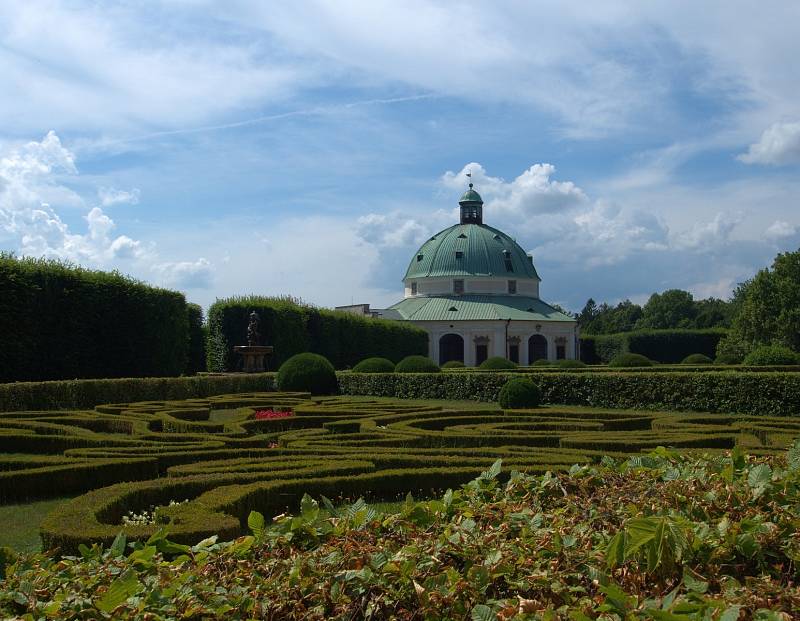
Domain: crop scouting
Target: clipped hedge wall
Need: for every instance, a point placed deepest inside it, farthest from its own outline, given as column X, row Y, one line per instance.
column 196, row 359
column 59, row 321
column 292, row 328
column 667, row 346
column 774, row 393
column 64, row 394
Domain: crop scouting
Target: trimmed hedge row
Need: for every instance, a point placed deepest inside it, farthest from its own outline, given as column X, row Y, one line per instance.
column 217, row 453
column 668, row 346
column 746, row 393
column 292, row 328
column 64, row 394
column 60, row 321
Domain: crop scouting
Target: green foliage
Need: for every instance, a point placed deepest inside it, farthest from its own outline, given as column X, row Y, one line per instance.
column 292, row 327
column 542, row 362
column 605, row 319
column 63, row 394
column 374, row 365
column 587, row 543
column 771, row 355
column 519, row 393
column 767, row 393
column 497, row 363
column 453, row 364
column 697, row 359
column 769, row 311
column 630, row 360
column 417, row 364
column 196, row 359
column 61, row 321
column 673, row 308
column 670, row 310
column 570, row 364
column 666, row 346
column 307, row 373
column 727, row 358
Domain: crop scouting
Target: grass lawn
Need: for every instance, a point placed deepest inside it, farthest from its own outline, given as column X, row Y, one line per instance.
column 21, row 524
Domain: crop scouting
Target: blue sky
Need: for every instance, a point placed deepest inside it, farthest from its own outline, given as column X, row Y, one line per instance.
column 308, row 148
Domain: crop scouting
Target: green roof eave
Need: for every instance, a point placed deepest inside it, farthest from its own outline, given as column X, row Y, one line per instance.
column 478, row 308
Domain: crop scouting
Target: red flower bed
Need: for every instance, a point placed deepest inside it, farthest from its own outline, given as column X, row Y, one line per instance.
column 267, row 414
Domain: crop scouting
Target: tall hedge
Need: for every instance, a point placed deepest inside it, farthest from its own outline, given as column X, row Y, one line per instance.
column 196, row 359
column 292, row 328
column 59, row 321
column 667, row 346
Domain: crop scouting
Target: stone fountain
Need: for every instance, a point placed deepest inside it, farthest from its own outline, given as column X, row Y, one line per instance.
column 253, row 354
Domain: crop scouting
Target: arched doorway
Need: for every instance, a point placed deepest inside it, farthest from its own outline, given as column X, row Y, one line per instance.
column 537, row 348
column 451, row 347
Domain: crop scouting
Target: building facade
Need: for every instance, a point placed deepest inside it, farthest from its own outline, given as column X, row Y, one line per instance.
column 476, row 292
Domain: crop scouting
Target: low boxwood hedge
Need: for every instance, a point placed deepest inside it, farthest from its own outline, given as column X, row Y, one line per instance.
column 770, row 355
column 307, row 372
column 417, row 364
column 374, row 365
column 497, row 363
column 754, row 393
column 630, row 360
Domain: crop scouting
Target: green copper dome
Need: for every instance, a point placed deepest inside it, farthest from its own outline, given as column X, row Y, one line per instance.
column 471, row 250
column 470, row 196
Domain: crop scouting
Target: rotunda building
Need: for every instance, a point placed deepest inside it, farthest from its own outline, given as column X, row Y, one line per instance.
column 476, row 292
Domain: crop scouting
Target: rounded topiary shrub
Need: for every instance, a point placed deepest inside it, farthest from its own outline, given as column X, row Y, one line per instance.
column 374, row 365
column 570, row 364
column 308, row 373
column 417, row 364
column 453, row 364
column 697, row 359
column 497, row 363
column 769, row 355
column 727, row 358
column 630, row 360
column 519, row 393
column 541, row 362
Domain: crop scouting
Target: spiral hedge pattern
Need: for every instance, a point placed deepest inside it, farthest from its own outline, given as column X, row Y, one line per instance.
column 216, row 454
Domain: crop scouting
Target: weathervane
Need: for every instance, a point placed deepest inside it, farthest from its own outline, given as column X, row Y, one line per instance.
column 469, row 174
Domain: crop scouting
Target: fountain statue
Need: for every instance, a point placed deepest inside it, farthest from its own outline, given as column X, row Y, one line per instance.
column 253, row 354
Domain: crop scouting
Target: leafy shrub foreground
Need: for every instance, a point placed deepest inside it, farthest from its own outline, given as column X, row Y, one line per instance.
column 661, row 536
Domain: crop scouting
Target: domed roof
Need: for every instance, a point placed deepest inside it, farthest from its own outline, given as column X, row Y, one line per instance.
column 471, row 250
column 470, row 196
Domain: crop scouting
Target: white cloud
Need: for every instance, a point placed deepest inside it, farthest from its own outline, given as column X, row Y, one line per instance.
column 531, row 193
column 113, row 196
column 708, row 235
column 779, row 144
column 185, row 274
column 780, row 229
column 31, row 226
column 392, row 230
column 104, row 67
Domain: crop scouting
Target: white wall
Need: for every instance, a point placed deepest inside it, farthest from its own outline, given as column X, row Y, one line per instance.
column 474, row 285
column 495, row 331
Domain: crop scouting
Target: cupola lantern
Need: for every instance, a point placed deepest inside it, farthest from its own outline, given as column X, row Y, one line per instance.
column 471, row 205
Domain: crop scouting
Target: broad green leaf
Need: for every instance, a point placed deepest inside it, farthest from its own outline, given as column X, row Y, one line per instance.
column 329, row 506
column 731, row 614
column 694, row 581
column 309, row 508
column 255, row 522
column 759, row 475
column 118, row 593
column 117, row 548
column 615, row 550
column 482, row 612
column 494, row 471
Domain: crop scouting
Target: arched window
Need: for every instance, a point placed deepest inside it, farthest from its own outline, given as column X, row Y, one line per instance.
column 537, row 348
column 451, row 347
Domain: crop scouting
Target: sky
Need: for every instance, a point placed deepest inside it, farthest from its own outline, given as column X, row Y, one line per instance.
column 309, row 148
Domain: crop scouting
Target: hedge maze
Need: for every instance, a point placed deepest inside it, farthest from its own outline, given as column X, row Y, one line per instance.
column 226, row 459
